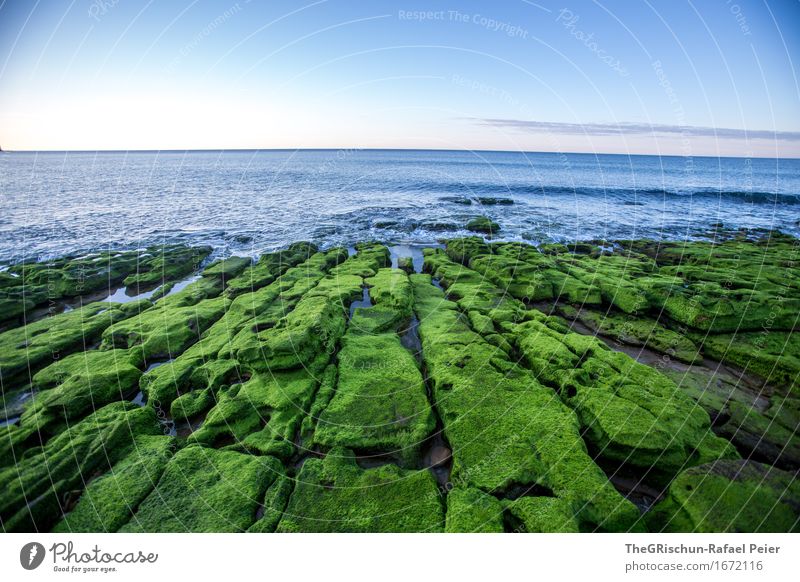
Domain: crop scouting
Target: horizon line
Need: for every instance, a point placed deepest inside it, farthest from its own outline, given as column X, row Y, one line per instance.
column 357, row 149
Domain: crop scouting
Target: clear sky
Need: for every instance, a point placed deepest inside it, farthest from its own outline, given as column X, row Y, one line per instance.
column 712, row 77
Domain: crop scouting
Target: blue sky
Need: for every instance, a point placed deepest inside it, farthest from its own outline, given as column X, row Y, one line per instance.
column 685, row 78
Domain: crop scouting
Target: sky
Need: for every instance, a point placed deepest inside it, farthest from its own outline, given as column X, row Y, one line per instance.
column 714, row 77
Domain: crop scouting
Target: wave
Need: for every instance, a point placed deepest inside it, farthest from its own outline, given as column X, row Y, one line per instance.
column 641, row 195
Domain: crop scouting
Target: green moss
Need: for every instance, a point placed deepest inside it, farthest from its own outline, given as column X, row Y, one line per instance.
column 26, row 285
column 245, row 318
column 629, row 412
column 226, row 269
column 264, row 413
column 391, row 289
column 709, row 388
column 541, row 515
column 164, row 332
column 48, row 339
column 380, row 404
column 503, row 426
column 772, row 355
column 190, row 405
column 640, row 331
column 365, row 263
column 765, row 435
column 335, row 495
column 206, row 490
column 35, row 485
column 471, row 510
column 275, row 500
column 318, row 320
column 312, row 328
column 462, row 249
column 483, row 224
column 160, row 265
column 81, row 383
column 405, row 264
column 323, row 396
column 110, row 500
column 270, row 266
column 729, row 496
column 197, row 381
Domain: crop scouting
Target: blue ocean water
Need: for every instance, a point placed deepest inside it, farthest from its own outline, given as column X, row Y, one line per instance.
column 248, row 202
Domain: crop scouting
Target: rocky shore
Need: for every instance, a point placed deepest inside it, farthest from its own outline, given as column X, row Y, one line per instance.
column 476, row 386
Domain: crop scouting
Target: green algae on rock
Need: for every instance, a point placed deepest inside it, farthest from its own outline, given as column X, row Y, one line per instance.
column 730, row 496
column 304, row 400
column 335, row 495
column 380, row 404
column 470, row 510
column 35, row 485
column 206, row 490
column 26, row 285
column 160, row 265
column 504, row 427
column 636, row 331
column 541, row 515
column 110, row 500
column 483, row 224
column 628, row 411
column 27, row 348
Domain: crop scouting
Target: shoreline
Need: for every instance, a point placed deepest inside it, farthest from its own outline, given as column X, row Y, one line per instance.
column 484, row 385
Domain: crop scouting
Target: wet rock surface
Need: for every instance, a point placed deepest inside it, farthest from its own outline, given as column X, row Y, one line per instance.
column 475, row 386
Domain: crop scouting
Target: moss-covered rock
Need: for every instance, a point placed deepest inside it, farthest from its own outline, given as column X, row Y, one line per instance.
column 318, row 320
column 335, row 495
column 165, row 331
column 275, row 500
column 483, row 224
column 380, row 404
column 69, row 389
column 269, row 267
column 36, row 487
column 228, row 268
column 504, row 427
column 245, row 318
column 405, row 264
column 159, row 265
column 27, row 285
column 26, row 348
column 770, row 435
column 637, row 331
column 730, row 496
column 110, row 500
column 264, row 413
column 628, row 411
column 207, row 490
column 541, row 515
column 470, row 510
column 772, row 355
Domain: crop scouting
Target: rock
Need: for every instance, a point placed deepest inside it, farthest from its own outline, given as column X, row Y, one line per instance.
column 483, row 224
column 490, row 201
column 729, row 496
column 109, row 501
column 457, row 200
column 206, row 490
column 470, row 510
column 405, row 264
column 34, row 486
column 335, row 495
column 479, row 390
column 438, row 456
column 227, row 268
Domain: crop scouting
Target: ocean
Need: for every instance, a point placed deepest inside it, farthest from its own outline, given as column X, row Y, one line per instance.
column 248, row 202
